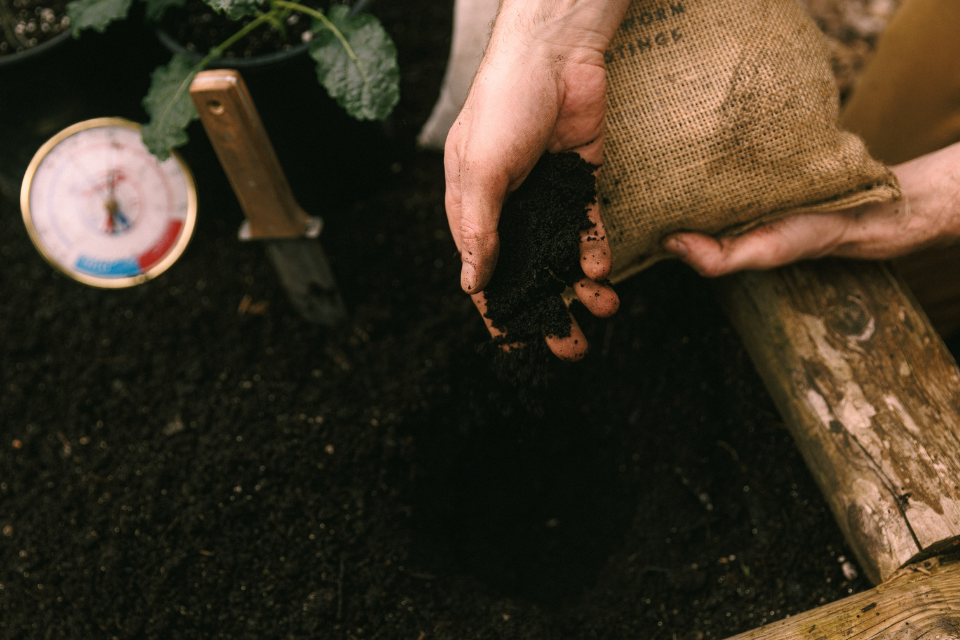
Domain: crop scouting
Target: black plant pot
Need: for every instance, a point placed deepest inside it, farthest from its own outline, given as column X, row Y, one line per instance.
column 327, row 155
column 268, row 61
column 28, row 81
column 13, row 60
column 66, row 80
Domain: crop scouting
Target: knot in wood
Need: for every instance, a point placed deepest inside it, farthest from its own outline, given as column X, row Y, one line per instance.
column 851, row 319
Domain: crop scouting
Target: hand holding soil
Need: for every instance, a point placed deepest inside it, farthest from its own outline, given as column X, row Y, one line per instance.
column 540, row 87
column 543, row 227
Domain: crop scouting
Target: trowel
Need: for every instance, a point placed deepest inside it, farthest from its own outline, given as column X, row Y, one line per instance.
column 233, row 125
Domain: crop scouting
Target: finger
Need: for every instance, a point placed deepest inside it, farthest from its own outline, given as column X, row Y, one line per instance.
column 480, row 302
column 476, row 184
column 452, row 196
column 595, row 257
column 479, row 250
column 570, row 348
column 476, row 187
column 599, row 299
column 771, row 245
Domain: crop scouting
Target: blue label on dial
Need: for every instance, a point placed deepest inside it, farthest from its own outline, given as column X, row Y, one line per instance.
column 116, row 269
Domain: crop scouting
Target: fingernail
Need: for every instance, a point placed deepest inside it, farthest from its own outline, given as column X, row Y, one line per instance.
column 676, row 246
column 468, row 277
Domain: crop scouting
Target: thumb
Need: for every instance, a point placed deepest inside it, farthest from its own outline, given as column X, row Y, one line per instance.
column 479, row 247
column 771, row 245
column 483, row 189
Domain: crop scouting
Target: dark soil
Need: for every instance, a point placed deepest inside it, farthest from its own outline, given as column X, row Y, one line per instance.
column 189, row 459
column 199, row 28
column 24, row 24
column 540, row 249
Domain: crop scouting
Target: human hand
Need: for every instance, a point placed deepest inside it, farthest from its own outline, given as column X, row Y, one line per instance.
column 540, row 87
column 928, row 215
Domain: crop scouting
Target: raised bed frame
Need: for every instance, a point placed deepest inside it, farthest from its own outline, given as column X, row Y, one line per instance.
column 872, row 398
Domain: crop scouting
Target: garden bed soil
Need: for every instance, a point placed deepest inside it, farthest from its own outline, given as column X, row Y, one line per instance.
column 199, row 28
column 189, row 459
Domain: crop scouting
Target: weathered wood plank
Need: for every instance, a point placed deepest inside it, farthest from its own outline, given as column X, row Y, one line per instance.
column 922, row 602
column 871, row 396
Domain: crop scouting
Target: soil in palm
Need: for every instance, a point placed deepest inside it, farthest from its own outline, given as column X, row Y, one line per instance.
column 540, row 229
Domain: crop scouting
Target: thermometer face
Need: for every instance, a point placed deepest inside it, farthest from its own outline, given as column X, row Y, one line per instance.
column 102, row 209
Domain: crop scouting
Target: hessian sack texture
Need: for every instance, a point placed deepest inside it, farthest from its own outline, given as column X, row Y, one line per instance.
column 721, row 115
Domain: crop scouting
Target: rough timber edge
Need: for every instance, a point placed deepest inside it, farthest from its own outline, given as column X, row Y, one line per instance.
column 921, row 601
column 870, row 394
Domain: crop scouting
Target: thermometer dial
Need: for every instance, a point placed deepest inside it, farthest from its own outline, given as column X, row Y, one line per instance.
column 102, row 209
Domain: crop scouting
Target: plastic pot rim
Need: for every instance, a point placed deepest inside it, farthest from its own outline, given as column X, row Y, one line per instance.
column 13, row 59
column 267, row 59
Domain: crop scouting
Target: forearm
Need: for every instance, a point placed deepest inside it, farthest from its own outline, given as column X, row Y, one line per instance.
column 552, row 27
column 931, row 188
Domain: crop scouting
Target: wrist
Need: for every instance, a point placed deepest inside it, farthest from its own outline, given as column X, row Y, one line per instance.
column 556, row 29
column 931, row 190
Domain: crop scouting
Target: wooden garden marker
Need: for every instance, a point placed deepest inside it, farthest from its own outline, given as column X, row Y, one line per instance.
column 872, row 398
column 233, row 125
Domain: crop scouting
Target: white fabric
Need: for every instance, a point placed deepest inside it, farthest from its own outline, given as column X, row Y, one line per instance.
column 472, row 21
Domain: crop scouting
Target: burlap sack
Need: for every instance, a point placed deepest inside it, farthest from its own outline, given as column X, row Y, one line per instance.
column 721, row 115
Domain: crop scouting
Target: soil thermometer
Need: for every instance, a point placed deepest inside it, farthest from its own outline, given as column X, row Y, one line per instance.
column 102, row 209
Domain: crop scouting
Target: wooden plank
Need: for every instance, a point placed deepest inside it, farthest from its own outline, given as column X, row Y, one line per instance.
column 933, row 276
column 922, row 602
column 871, row 396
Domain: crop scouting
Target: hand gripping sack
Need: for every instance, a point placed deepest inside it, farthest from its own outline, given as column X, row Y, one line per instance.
column 722, row 115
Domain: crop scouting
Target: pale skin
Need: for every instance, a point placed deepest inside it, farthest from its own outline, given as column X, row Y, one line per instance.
column 540, row 87
column 928, row 215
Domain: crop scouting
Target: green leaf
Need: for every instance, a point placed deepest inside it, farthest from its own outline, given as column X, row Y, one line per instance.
column 169, row 105
column 236, row 9
column 359, row 68
column 95, row 14
column 156, row 8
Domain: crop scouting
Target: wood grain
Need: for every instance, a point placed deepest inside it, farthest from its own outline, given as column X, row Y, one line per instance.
column 233, row 125
column 922, row 602
column 871, row 396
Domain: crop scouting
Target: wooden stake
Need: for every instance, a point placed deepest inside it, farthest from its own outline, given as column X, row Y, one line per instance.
column 922, row 601
column 233, row 125
column 871, row 395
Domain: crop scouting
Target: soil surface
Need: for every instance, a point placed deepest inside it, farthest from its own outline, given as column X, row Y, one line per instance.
column 24, row 24
column 189, row 459
column 199, row 28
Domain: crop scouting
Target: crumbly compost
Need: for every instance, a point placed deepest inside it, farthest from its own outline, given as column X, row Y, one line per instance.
column 199, row 28
column 540, row 249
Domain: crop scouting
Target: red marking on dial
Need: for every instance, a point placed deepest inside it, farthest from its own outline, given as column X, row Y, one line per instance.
column 156, row 253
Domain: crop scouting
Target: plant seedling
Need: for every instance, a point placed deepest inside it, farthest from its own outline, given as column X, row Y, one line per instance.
column 355, row 56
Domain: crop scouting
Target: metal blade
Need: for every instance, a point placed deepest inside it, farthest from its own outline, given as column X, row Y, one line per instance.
column 306, row 275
